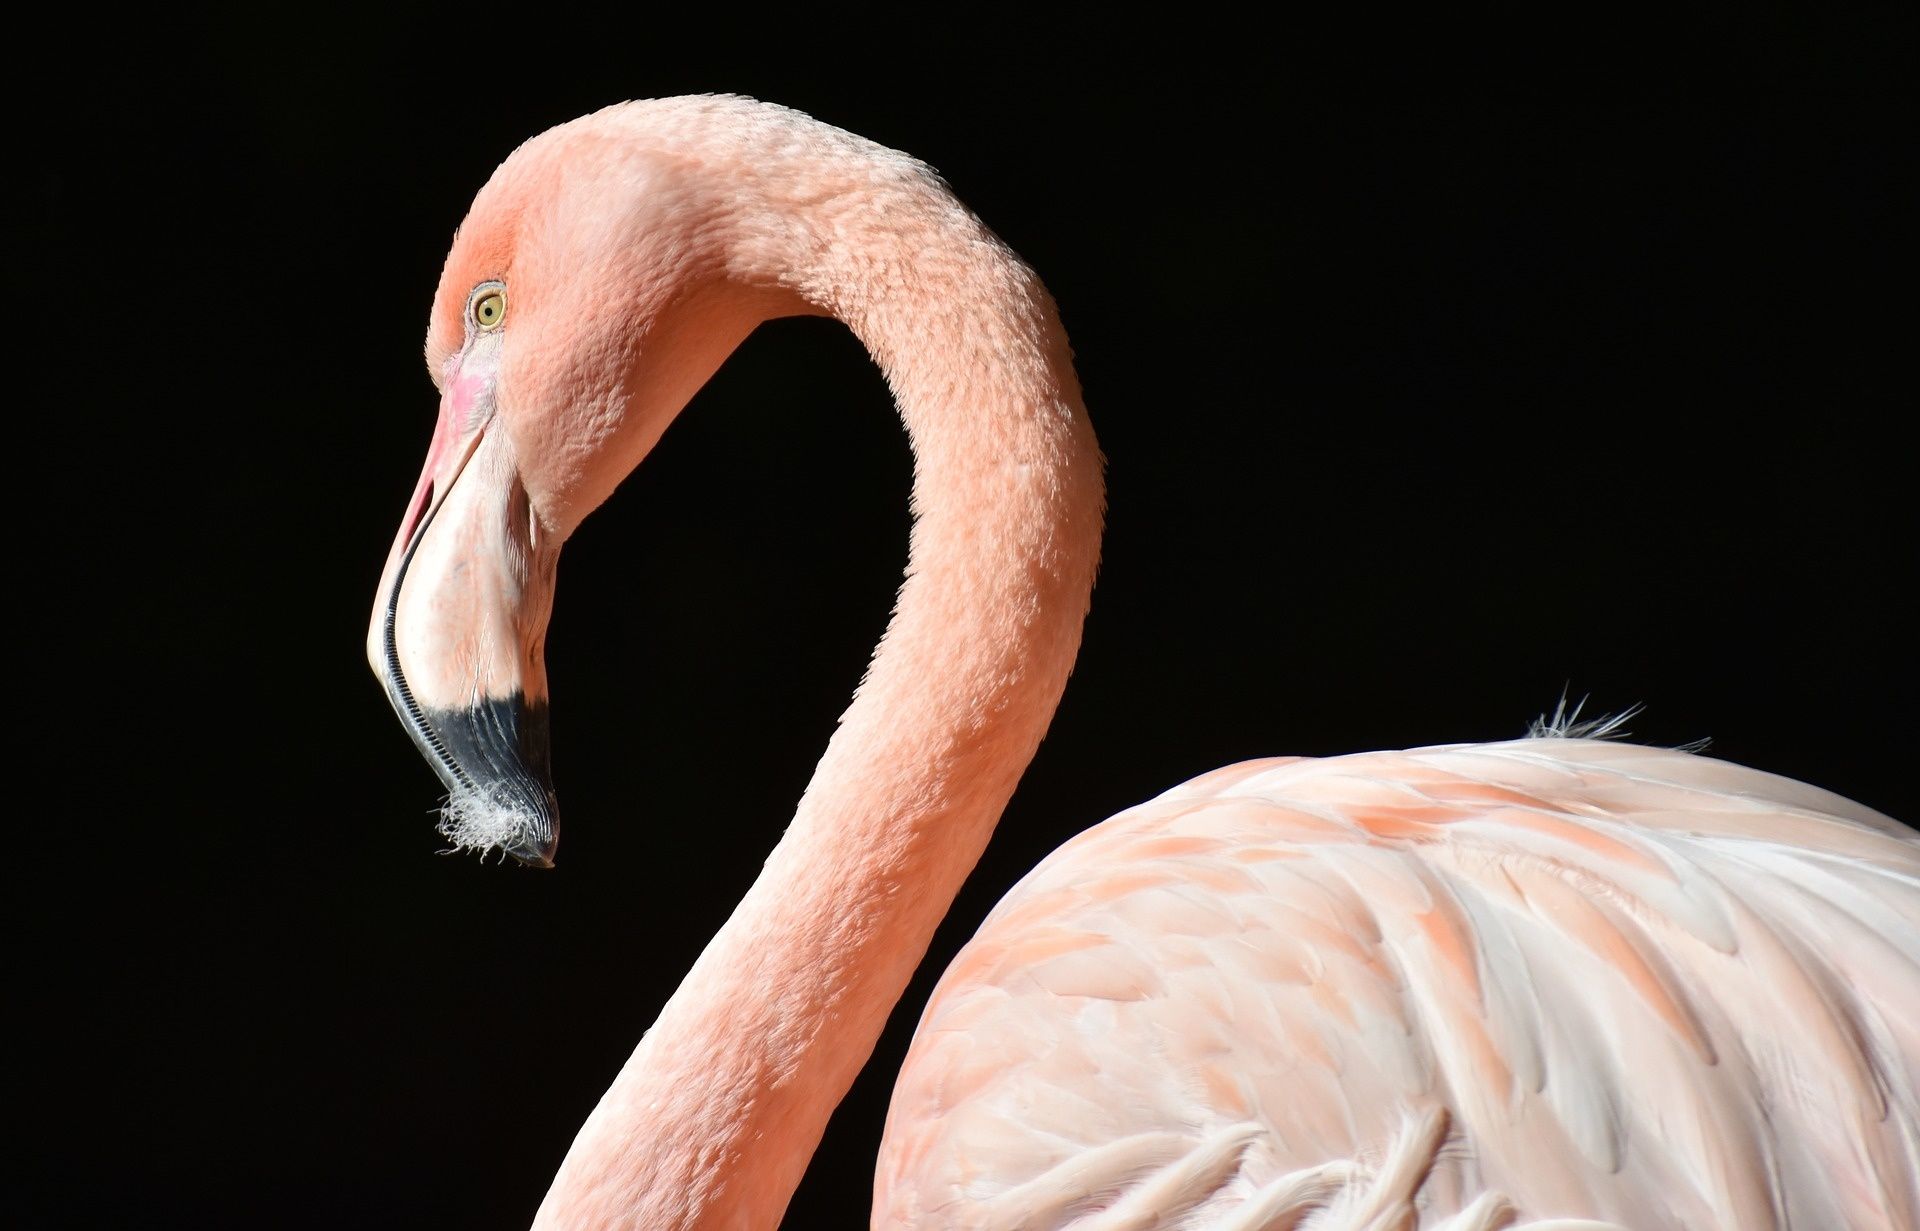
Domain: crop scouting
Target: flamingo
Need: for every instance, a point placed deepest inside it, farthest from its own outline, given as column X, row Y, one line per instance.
column 1558, row 982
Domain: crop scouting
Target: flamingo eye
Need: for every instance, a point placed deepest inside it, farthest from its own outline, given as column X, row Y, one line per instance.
column 490, row 309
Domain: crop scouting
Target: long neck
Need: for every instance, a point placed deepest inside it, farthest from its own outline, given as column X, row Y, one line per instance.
column 713, row 1119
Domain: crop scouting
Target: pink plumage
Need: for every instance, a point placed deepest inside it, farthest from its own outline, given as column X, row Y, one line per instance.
column 1629, row 984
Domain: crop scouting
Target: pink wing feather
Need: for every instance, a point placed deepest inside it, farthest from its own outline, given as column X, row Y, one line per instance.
column 1550, row 979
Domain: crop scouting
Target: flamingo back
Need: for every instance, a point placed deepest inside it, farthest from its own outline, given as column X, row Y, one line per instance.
column 1553, row 979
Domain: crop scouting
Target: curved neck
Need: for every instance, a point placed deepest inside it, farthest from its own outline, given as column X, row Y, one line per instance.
column 714, row 1117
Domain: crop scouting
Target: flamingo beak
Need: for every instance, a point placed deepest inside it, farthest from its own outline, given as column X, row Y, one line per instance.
column 458, row 633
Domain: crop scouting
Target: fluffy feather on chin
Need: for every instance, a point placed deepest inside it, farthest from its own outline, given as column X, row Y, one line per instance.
column 486, row 821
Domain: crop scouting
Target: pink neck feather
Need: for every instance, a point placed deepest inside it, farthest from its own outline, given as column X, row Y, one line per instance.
column 715, row 1116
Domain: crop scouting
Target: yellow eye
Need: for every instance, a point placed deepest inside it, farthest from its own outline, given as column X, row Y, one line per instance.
column 490, row 309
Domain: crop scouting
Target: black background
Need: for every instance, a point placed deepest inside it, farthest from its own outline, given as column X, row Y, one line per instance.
column 1439, row 368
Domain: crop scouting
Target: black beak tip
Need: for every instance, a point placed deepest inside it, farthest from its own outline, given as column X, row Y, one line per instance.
column 535, row 844
column 535, row 854
column 493, row 759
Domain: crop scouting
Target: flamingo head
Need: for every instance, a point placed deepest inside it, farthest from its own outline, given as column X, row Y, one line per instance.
column 585, row 299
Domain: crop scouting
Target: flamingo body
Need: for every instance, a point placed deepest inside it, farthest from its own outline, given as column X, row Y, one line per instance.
column 1554, row 977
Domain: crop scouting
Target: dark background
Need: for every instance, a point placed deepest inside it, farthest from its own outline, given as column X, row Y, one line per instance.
column 1439, row 369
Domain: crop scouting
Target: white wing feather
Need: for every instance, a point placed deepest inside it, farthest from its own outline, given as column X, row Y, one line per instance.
column 1559, row 980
